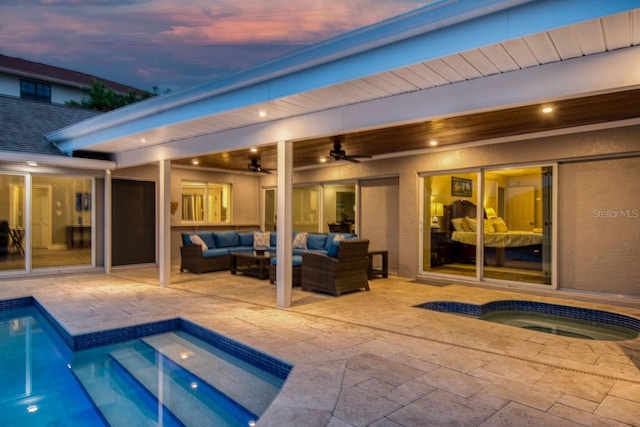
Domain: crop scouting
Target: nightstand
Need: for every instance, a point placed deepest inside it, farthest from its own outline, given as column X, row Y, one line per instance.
column 441, row 252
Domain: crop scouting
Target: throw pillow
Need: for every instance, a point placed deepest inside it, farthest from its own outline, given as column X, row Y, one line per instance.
column 488, row 226
column 196, row 240
column 261, row 239
column 500, row 225
column 473, row 223
column 300, row 241
column 457, row 224
column 465, row 224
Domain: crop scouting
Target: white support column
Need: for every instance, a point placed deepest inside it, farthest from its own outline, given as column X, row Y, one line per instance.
column 164, row 223
column 108, row 197
column 284, row 224
column 28, row 206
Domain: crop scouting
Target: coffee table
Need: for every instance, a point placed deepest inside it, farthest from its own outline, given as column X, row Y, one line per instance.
column 255, row 264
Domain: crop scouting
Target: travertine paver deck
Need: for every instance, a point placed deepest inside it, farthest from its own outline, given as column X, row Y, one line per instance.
column 371, row 358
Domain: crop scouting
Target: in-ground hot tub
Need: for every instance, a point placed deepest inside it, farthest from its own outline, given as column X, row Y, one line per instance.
column 555, row 319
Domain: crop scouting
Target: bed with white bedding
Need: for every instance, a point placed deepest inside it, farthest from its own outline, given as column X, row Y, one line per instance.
column 460, row 221
column 508, row 239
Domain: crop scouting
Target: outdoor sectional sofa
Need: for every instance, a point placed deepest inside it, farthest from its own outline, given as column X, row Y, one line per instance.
column 212, row 249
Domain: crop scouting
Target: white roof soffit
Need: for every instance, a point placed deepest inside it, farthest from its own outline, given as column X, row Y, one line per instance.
column 398, row 56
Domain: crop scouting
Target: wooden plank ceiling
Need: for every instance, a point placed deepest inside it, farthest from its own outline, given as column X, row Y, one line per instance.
column 446, row 131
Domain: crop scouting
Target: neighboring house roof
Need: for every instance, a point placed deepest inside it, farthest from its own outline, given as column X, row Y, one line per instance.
column 36, row 70
column 23, row 124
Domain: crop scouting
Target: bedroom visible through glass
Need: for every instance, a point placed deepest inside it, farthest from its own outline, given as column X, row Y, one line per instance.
column 504, row 211
column 442, row 193
column 517, row 227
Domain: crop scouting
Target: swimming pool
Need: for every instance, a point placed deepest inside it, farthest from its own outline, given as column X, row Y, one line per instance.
column 173, row 373
column 554, row 319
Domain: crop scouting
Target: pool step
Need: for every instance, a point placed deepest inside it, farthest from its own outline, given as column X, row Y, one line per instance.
column 254, row 392
column 169, row 386
column 114, row 396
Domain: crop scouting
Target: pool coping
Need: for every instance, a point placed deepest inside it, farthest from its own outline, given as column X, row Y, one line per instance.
column 85, row 341
column 478, row 310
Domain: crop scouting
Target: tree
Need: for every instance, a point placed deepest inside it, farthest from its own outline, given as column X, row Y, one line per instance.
column 103, row 98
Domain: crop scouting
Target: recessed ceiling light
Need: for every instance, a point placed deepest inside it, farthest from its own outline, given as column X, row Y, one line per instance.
column 323, row 160
column 254, row 150
column 32, row 163
column 195, row 162
column 547, row 110
column 143, row 140
column 433, row 143
column 262, row 113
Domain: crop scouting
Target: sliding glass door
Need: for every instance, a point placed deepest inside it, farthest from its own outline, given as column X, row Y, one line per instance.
column 507, row 212
column 450, row 200
column 517, row 232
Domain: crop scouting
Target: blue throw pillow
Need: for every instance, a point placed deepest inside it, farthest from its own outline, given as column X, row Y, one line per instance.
column 273, row 239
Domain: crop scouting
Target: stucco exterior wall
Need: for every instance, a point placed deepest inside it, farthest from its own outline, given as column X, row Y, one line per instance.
column 623, row 141
column 245, row 199
column 599, row 226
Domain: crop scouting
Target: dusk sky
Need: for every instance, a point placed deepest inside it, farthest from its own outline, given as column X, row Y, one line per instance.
column 175, row 44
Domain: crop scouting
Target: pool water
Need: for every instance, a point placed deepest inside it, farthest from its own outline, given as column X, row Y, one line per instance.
column 575, row 322
column 560, row 325
column 171, row 378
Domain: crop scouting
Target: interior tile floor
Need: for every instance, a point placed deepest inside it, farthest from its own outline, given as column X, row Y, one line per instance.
column 371, row 358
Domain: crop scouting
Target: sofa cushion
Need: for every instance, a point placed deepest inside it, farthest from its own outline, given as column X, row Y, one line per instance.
column 207, row 238
column 274, row 239
column 316, row 241
column 225, row 239
column 334, row 244
column 246, row 238
column 341, row 236
column 211, row 253
column 296, row 261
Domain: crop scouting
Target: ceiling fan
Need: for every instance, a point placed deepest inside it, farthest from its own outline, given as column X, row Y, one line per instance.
column 254, row 166
column 339, row 154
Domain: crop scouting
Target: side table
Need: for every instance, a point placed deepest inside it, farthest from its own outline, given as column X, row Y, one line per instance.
column 384, row 270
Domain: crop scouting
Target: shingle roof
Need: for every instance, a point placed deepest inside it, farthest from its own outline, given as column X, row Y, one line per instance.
column 49, row 72
column 23, row 124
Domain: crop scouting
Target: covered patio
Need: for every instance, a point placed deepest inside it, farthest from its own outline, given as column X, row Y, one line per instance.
column 432, row 73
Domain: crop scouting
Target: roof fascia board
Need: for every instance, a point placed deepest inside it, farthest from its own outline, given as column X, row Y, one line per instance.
column 402, row 41
column 61, row 161
column 606, row 72
column 42, row 77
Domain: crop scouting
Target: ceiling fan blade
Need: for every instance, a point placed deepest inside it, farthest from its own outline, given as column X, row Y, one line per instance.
column 351, row 159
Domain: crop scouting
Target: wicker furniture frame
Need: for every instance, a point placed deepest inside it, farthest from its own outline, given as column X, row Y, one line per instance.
column 250, row 264
column 192, row 260
column 296, row 275
column 344, row 273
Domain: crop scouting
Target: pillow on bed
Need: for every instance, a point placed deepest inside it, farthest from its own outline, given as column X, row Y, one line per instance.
column 488, row 226
column 500, row 225
column 457, row 224
column 472, row 223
